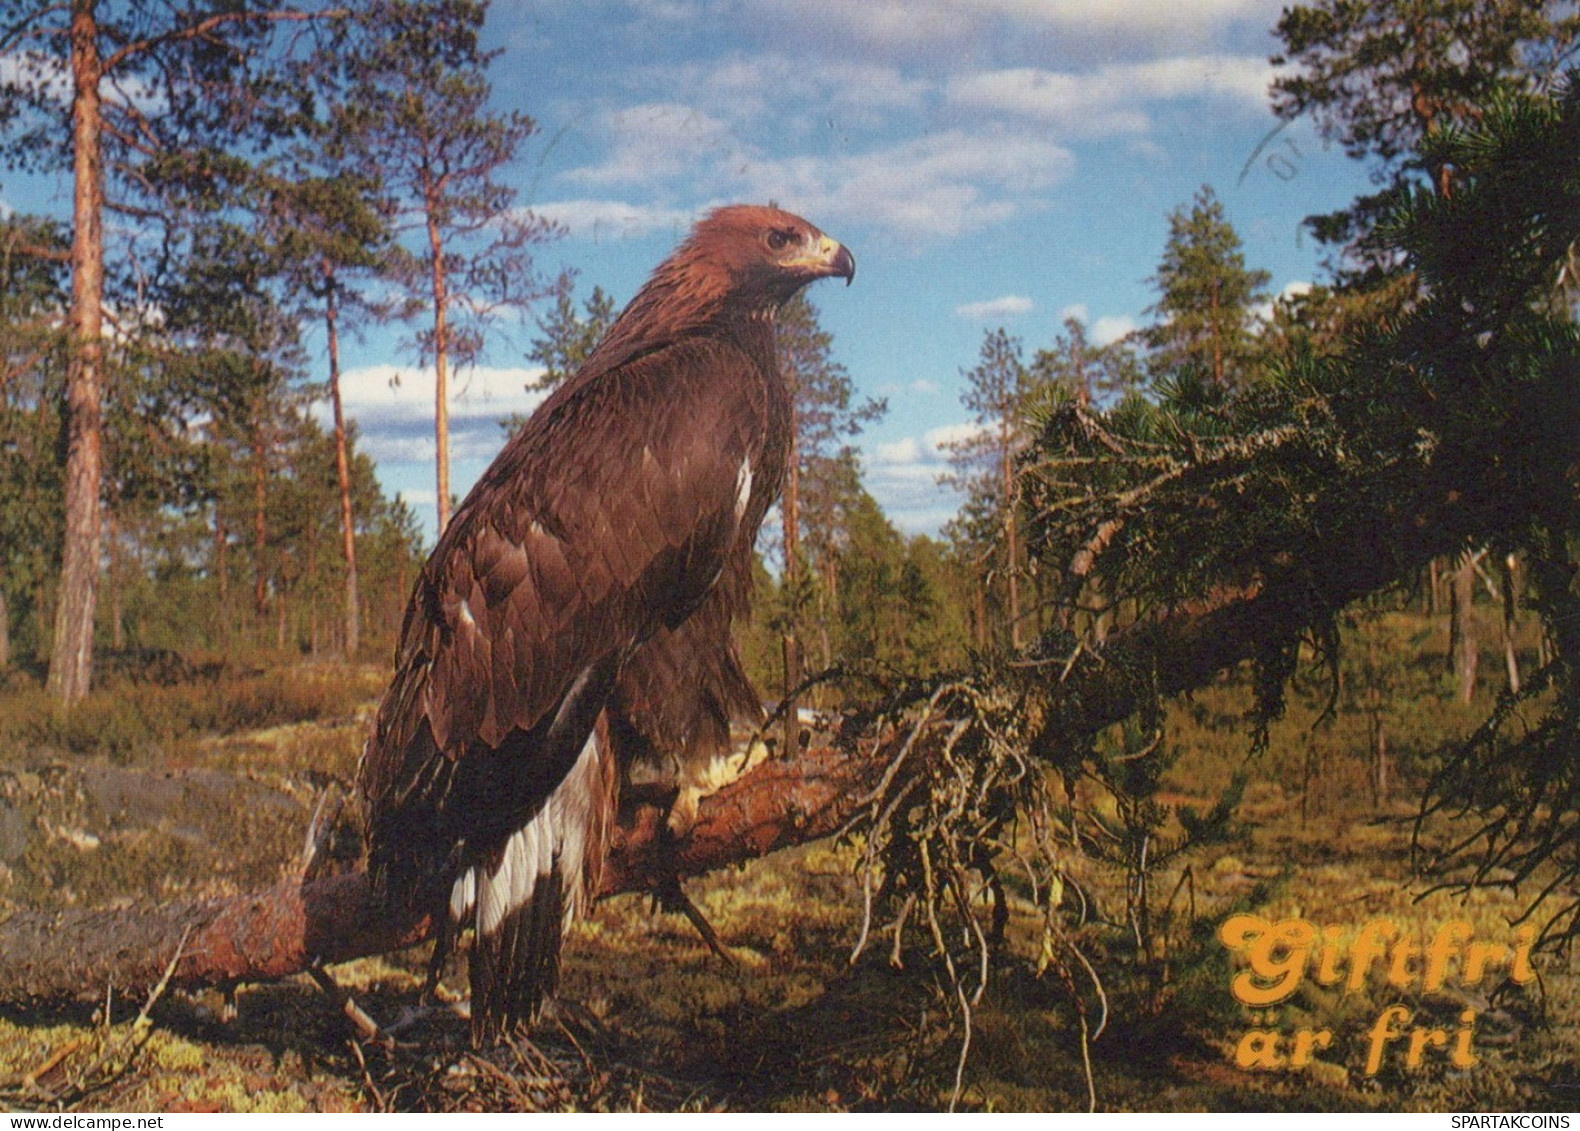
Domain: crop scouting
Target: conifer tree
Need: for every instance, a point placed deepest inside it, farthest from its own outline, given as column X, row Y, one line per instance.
column 1205, row 296
column 567, row 338
column 1379, row 78
column 997, row 393
column 161, row 102
column 419, row 112
column 1092, row 374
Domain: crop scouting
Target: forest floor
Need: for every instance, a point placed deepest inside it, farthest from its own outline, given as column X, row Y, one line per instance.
column 649, row 1018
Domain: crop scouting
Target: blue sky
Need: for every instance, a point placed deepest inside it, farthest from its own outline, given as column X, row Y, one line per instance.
column 987, row 161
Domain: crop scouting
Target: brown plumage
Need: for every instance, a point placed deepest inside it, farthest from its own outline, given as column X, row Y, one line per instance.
column 576, row 612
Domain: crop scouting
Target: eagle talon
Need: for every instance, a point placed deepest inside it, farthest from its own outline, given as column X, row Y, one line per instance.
column 672, row 897
column 683, row 813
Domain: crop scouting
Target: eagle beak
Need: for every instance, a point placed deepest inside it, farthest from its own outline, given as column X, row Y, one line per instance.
column 844, row 263
column 831, row 258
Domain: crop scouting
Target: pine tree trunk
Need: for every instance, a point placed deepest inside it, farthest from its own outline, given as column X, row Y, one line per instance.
column 441, row 358
column 348, row 539
column 1011, row 539
column 790, row 510
column 829, row 604
column 117, row 580
column 279, row 617
column 221, row 579
column 5, row 632
column 790, row 520
column 312, row 593
column 1217, row 339
column 1378, row 727
column 1511, row 661
column 260, row 528
column 71, row 657
column 1463, row 653
column 980, row 606
column 792, row 717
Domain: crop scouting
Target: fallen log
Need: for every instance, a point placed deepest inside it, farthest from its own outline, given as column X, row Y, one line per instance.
column 281, row 931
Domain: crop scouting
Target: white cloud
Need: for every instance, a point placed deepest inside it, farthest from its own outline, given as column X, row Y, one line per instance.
column 934, row 25
column 945, row 183
column 1138, row 16
column 674, row 11
column 938, row 185
column 939, row 439
column 656, row 140
column 1112, row 99
column 423, row 497
column 48, row 74
column 744, row 87
column 903, row 476
column 1005, row 306
column 614, row 219
column 1111, row 328
column 400, row 391
column 908, row 450
column 1076, row 310
column 921, row 386
column 1074, row 103
column 1291, row 290
column 393, row 408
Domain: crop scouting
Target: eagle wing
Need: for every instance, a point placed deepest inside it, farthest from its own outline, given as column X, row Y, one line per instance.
column 676, row 700
column 609, row 518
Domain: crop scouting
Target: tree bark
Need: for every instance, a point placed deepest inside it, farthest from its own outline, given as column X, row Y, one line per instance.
column 222, row 622
column 1464, row 655
column 117, row 580
column 1508, row 593
column 348, row 538
column 260, row 525
column 441, row 353
column 1215, row 321
column 790, row 520
column 1011, row 541
column 71, row 656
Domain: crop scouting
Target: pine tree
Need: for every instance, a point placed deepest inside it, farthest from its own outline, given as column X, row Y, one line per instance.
column 32, row 298
column 997, row 393
column 568, row 338
column 822, row 475
column 162, row 101
column 1206, row 296
column 1381, row 77
column 418, row 111
column 1091, row 374
column 327, row 227
column 1390, row 81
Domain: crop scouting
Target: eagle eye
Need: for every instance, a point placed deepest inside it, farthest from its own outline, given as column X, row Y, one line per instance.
column 780, row 238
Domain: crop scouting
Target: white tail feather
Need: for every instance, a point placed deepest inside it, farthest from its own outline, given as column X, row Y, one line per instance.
column 555, row 840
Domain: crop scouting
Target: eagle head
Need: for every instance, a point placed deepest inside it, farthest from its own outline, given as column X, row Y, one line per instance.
column 767, row 253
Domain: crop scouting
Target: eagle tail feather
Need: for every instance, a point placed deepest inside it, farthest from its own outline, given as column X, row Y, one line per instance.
column 524, row 896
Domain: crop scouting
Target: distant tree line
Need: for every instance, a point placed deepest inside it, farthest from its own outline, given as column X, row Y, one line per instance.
column 239, row 172
column 269, row 169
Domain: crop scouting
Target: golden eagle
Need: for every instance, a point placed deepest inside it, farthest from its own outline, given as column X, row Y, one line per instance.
column 575, row 615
